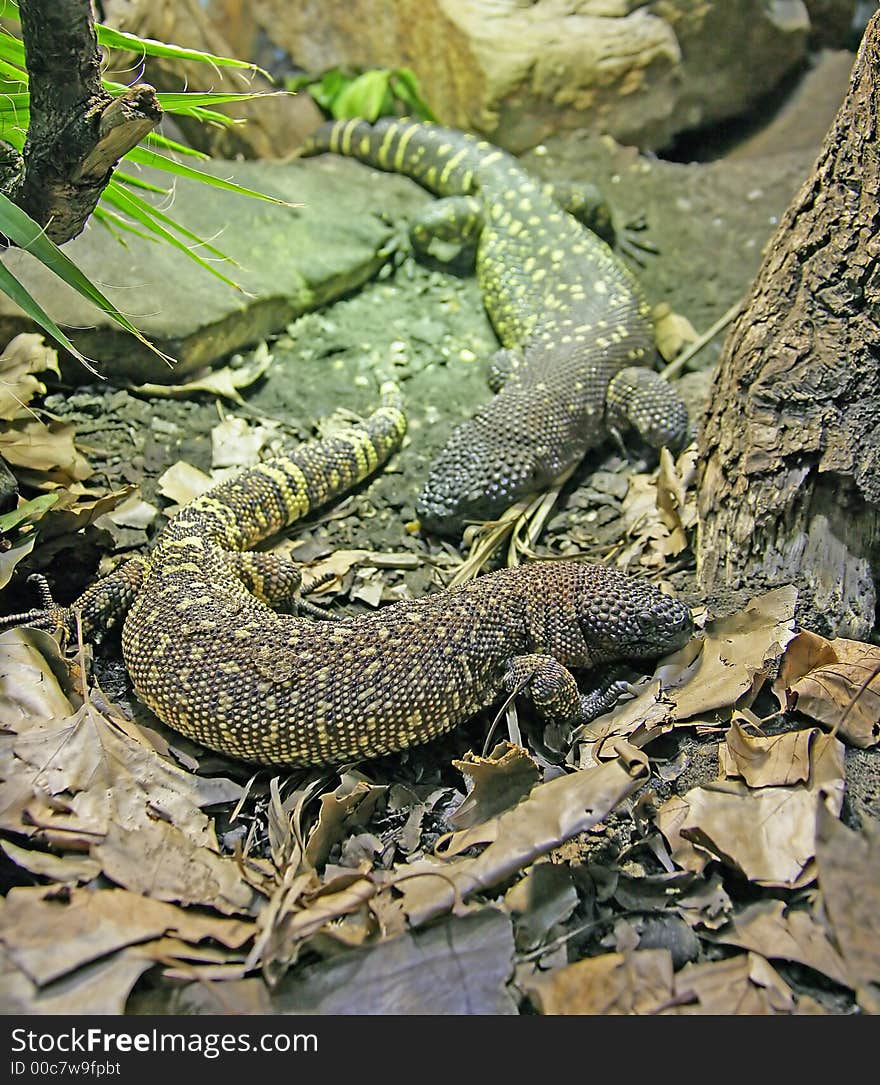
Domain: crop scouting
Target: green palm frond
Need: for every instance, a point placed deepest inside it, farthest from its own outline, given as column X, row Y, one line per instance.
column 122, row 207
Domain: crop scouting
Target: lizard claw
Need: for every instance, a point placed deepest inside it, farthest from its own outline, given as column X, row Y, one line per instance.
column 48, row 615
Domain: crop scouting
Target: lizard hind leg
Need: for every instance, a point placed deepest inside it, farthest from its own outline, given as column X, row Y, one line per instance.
column 639, row 398
column 454, row 221
column 553, row 691
column 502, row 365
column 548, row 685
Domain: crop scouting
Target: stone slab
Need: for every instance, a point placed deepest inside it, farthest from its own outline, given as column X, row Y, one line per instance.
column 291, row 260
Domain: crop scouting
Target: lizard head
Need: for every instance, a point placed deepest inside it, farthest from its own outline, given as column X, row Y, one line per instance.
column 623, row 617
column 475, row 478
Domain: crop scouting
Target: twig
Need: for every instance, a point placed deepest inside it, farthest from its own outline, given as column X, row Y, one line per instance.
column 677, row 364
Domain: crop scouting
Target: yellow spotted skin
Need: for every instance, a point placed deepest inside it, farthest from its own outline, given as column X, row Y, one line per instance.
column 209, row 654
column 569, row 314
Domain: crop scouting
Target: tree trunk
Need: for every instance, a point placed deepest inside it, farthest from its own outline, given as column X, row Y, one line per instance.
column 790, row 486
column 77, row 131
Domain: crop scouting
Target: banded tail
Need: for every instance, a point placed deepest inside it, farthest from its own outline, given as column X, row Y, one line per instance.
column 443, row 160
column 272, row 495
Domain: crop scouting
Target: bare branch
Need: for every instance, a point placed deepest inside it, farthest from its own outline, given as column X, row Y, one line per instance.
column 78, row 132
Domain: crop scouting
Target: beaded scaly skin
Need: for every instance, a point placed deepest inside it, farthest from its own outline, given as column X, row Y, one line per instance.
column 210, row 656
column 574, row 326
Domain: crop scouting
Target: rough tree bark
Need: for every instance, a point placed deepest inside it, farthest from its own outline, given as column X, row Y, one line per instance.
column 77, row 132
column 790, row 487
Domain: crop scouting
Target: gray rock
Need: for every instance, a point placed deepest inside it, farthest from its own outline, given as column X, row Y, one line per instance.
column 291, row 260
column 521, row 73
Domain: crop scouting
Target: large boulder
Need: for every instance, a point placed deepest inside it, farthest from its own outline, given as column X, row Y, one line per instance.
column 276, row 123
column 521, row 72
column 289, row 258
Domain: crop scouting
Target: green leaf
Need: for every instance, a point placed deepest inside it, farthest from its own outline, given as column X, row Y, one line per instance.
column 153, row 212
column 364, row 96
column 12, row 51
column 118, row 39
column 145, row 157
column 148, row 216
column 327, row 89
column 176, row 102
column 110, row 220
column 405, row 87
column 195, row 104
column 158, row 140
column 371, row 94
column 15, row 290
column 29, row 512
column 136, row 182
column 23, row 231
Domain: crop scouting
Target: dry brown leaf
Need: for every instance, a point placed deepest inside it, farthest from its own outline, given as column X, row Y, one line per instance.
column 545, row 897
column 614, row 983
column 31, row 691
column 671, row 331
column 77, row 508
column 806, row 651
column 350, row 805
column 794, row 935
column 235, row 443
column 742, row 985
column 706, row 904
column 43, row 450
column 459, row 966
column 99, row 988
column 170, row 951
column 368, row 591
column 836, row 683
column 495, row 783
column 738, row 654
column 49, row 933
column 849, row 880
column 242, row 997
column 410, row 803
column 674, row 815
column 651, row 708
column 134, row 512
column 115, row 780
column 58, row 868
column 334, row 567
column 705, row 680
column 24, row 355
column 326, row 907
column 223, row 382
column 659, row 510
column 10, row 557
column 764, row 761
column 159, row 861
column 183, row 483
column 676, row 477
column 551, row 814
column 768, row 834
column 272, row 949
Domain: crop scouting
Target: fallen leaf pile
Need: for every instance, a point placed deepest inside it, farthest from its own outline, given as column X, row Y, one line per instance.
column 571, row 874
column 45, row 457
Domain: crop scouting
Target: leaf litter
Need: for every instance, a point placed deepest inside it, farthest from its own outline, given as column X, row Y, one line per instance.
column 599, row 872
